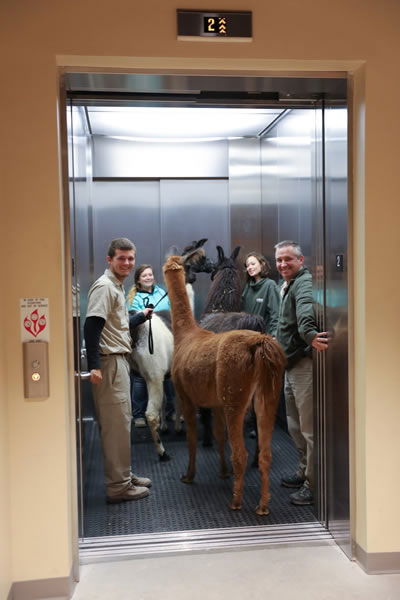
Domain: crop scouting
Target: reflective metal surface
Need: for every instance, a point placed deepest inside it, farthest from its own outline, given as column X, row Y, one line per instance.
column 116, row 158
column 336, row 368
column 126, row 209
column 83, row 375
column 192, row 85
column 288, row 182
column 157, row 215
column 81, row 241
column 120, row 547
column 191, row 210
column 245, row 195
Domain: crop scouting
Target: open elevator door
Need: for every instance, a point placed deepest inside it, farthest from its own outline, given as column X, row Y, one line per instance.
column 329, row 199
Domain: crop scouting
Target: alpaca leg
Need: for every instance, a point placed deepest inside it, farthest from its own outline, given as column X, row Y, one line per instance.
column 219, row 434
column 156, row 394
column 189, row 414
column 234, row 420
column 265, row 425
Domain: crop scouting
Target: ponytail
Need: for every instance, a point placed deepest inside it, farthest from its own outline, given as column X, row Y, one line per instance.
column 131, row 295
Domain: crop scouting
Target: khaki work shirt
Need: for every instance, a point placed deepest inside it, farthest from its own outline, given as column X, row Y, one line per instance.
column 106, row 299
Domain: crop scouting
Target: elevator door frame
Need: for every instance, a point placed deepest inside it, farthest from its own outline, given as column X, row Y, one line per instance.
column 263, row 535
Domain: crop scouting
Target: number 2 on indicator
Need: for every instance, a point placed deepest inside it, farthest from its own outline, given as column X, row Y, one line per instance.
column 211, row 24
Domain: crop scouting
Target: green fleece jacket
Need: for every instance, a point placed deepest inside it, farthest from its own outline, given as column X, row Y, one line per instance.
column 297, row 326
column 262, row 298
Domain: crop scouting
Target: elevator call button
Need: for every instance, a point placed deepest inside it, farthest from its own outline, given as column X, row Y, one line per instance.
column 36, row 369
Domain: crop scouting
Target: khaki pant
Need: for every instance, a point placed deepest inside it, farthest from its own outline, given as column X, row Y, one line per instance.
column 300, row 414
column 114, row 414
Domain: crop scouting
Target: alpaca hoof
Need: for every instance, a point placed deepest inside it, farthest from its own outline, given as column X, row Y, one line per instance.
column 164, row 428
column 207, row 443
column 164, row 457
column 262, row 510
column 235, row 506
column 186, row 479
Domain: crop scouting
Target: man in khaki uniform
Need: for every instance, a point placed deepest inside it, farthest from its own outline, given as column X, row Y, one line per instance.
column 108, row 346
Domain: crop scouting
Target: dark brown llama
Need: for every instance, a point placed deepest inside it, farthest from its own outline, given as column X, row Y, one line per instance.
column 225, row 292
column 224, row 370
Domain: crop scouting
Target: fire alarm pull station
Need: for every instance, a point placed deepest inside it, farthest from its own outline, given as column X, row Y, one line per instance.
column 36, row 369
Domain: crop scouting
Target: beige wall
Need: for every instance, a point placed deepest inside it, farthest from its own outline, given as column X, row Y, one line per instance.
column 314, row 36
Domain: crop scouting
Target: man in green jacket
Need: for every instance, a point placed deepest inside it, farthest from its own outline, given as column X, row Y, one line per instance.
column 298, row 334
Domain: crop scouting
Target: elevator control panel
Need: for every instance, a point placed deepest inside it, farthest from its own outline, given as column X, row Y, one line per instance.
column 36, row 369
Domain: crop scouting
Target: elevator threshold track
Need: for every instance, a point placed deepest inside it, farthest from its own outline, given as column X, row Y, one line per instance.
column 170, row 543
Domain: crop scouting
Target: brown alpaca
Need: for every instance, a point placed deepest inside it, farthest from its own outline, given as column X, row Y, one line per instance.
column 224, row 371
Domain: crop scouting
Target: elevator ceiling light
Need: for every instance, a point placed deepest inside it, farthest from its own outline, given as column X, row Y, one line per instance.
column 179, row 123
column 171, row 140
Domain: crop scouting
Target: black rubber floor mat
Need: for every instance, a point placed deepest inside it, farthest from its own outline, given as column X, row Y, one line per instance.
column 175, row 506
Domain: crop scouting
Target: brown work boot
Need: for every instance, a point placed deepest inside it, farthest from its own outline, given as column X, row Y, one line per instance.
column 140, row 481
column 131, row 493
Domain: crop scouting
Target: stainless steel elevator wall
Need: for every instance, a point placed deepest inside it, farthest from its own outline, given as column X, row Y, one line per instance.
column 288, row 182
column 80, row 180
column 336, row 367
column 272, row 186
column 158, row 215
column 245, row 197
column 117, row 158
column 81, row 246
column 127, row 209
column 184, row 198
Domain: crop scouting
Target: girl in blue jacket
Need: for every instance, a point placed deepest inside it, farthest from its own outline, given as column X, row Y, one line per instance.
column 146, row 287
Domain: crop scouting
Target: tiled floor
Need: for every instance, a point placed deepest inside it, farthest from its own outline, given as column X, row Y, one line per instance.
column 280, row 573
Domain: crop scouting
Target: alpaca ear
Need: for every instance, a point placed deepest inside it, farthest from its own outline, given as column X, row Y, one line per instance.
column 221, row 254
column 201, row 242
column 235, row 253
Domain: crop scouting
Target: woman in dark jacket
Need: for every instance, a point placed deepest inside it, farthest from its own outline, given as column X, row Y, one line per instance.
column 260, row 295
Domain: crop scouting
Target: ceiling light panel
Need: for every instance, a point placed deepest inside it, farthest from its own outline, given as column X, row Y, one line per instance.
column 148, row 122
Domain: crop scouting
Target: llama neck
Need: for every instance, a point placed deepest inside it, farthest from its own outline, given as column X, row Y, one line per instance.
column 183, row 321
